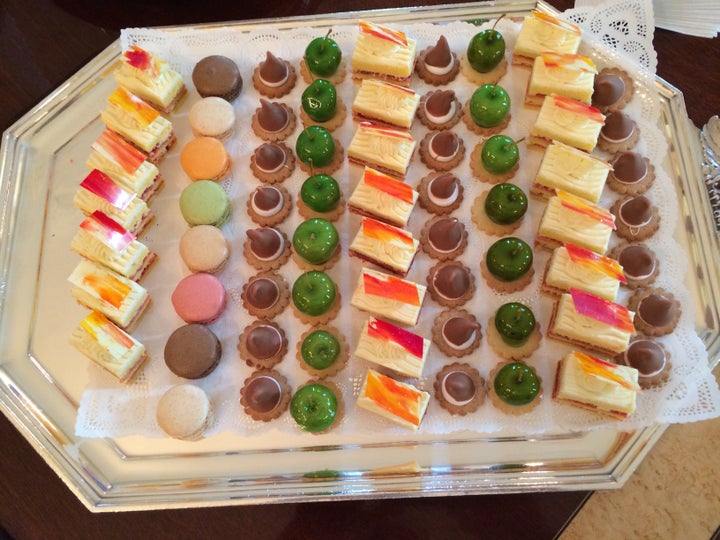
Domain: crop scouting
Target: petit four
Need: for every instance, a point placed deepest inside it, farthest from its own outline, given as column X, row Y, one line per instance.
column 385, row 104
column 120, row 299
column 651, row 360
column 439, row 109
column 204, row 248
column 139, row 124
column 387, row 296
column 587, row 382
column 273, row 121
column 569, row 75
column 199, row 298
column 317, row 406
column 459, row 388
column 541, row 32
column 205, row 202
column 108, row 346
column 274, row 77
column 317, row 151
column 396, row 401
column 320, row 105
column 104, row 241
column 639, row 263
column 265, row 395
column 444, row 238
column 269, row 205
column 514, row 387
column 571, row 266
column 322, row 351
column 323, row 59
column 496, row 159
column 265, row 295
column 126, row 165
column 440, row 193
column 456, row 332
column 571, row 219
column 568, row 121
column 386, row 246
column 272, row 162
column 315, row 298
column 637, row 218
column 487, row 112
column 320, row 196
column 631, row 173
column 450, row 283
column 192, row 351
column 500, row 210
column 151, row 78
column 262, row 344
column 613, row 89
column 442, row 150
column 383, row 53
column 392, row 347
column 586, row 320
column 383, row 197
column 657, row 311
column 437, row 64
column 184, row 412
column 212, row 117
column 316, row 244
column 567, row 168
column 619, row 134
column 205, row 158
column 513, row 332
column 384, row 149
column 217, row 76
column 484, row 61
column 508, row 265
column 266, row 248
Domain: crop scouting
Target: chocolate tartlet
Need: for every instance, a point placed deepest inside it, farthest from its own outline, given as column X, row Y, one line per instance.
column 217, row 76
column 657, row 311
column 266, row 248
column 459, row 388
column 456, row 332
column 274, row 77
column 631, row 173
column 612, row 90
column 650, row 359
column 262, row 344
column 450, row 283
column 269, row 205
column 265, row 395
column 192, row 351
column 636, row 218
column 444, row 238
column 439, row 109
column 272, row 162
column 273, row 121
column 620, row 133
column 440, row 193
column 639, row 262
column 265, row 295
column 442, row 150
column 437, row 64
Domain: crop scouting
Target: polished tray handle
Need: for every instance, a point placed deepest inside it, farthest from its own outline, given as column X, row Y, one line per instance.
column 710, row 141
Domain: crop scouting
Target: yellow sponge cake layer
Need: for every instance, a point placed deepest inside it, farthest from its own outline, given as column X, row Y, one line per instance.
column 540, row 33
column 396, row 401
column 569, row 75
column 569, row 121
column 383, row 53
column 385, row 103
column 385, row 149
column 392, row 347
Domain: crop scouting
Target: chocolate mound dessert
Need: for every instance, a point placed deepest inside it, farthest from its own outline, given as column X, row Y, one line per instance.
column 444, row 238
column 439, row 109
column 274, row 77
column 612, row 90
column 265, row 295
column 266, row 248
column 269, row 205
column 442, row 150
column 262, row 344
column 450, row 283
column 265, row 395
column 650, row 359
column 636, row 218
column 440, row 193
column 437, row 64
column 459, row 388
column 456, row 332
column 631, row 174
column 619, row 133
column 273, row 121
column 639, row 263
column 272, row 162
column 657, row 311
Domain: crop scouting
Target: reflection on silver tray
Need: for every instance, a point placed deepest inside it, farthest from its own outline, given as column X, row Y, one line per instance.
column 106, row 475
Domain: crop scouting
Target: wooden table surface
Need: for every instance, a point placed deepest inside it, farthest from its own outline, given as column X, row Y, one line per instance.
column 42, row 43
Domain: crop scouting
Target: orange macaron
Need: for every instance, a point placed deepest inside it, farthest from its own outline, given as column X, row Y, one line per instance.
column 205, row 158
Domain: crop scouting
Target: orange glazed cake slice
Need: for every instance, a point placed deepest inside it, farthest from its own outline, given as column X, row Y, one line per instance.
column 392, row 347
column 396, row 401
column 569, row 75
column 584, row 381
column 108, row 346
column 567, row 120
column 384, row 245
column 383, row 197
column 385, row 149
column 541, row 32
column 588, row 321
column 383, row 53
column 387, row 296
column 385, row 103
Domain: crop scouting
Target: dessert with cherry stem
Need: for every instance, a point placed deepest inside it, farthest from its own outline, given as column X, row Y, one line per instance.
column 488, row 110
column 315, row 298
column 484, row 60
column 508, row 265
column 513, row 332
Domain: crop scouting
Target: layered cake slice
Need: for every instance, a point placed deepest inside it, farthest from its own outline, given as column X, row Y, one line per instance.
column 139, row 124
column 121, row 300
column 571, row 219
column 385, row 149
column 571, row 266
column 385, row 103
column 383, row 53
column 541, row 33
column 584, row 381
column 396, row 401
column 387, row 296
column 567, row 120
column 575, row 171
column 125, row 164
column 108, row 346
column 384, row 245
column 569, row 75
column 392, row 347
column 383, row 197
column 588, row 321
column 151, row 78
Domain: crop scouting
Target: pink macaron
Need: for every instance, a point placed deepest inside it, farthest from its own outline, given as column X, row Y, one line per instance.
column 199, row 298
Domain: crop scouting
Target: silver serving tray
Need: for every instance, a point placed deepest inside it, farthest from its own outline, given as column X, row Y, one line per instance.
column 39, row 392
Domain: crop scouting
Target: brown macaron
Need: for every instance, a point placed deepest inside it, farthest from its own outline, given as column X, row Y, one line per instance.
column 192, row 351
column 217, row 76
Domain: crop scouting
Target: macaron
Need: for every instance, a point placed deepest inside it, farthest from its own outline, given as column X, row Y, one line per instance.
column 205, row 202
column 212, row 117
column 184, row 412
column 205, row 158
column 199, row 298
column 192, row 351
column 204, row 248
column 219, row 76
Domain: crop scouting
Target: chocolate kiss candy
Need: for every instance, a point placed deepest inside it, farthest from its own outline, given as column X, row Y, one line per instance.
column 657, row 310
column 618, row 126
column 262, row 293
column 452, row 281
column 439, row 56
column 444, row 144
column 264, row 242
column 629, row 167
column 459, row 386
column 445, row 234
column 444, row 186
column 269, row 157
column 459, row 330
column 264, row 342
column 266, row 198
column 608, row 89
column 263, row 394
column 273, row 70
column 272, row 117
column 636, row 211
column 439, row 103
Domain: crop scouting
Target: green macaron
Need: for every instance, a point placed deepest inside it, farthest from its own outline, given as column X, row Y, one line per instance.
column 205, row 202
